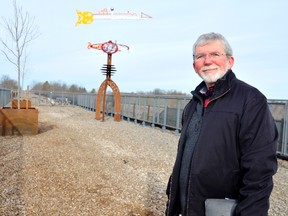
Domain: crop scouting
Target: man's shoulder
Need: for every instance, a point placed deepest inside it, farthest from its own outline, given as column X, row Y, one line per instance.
column 248, row 93
column 244, row 87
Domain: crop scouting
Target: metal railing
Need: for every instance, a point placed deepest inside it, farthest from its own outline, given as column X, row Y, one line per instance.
column 279, row 110
column 5, row 97
column 156, row 111
column 161, row 111
column 166, row 112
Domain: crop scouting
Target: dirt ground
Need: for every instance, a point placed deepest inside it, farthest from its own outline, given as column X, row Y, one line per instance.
column 79, row 166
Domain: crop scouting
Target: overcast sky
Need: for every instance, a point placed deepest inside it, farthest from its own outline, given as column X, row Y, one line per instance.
column 160, row 48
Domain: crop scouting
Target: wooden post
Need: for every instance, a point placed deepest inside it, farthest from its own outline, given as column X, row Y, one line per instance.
column 27, row 96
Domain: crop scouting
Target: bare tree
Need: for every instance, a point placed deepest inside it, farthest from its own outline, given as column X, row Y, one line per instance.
column 22, row 32
column 24, row 67
column 7, row 82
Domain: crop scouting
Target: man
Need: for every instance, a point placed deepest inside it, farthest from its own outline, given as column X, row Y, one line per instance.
column 227, row 147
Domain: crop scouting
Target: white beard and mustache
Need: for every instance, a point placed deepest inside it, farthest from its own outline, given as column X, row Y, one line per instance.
column 212, row 77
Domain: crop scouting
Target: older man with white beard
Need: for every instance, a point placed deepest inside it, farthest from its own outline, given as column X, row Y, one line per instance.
column 227, row 147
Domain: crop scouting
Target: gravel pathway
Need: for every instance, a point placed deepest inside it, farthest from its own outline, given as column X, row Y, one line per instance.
column 79, row 166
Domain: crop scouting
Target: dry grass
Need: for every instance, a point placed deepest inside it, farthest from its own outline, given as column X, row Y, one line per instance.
column 79, row 166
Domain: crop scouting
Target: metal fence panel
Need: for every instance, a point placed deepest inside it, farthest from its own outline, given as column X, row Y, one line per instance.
column 5, row 96
column 153, row 110
column 166, row 112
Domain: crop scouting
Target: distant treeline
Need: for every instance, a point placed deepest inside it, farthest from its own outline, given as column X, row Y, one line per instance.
column 59, row 86
column 8, row 83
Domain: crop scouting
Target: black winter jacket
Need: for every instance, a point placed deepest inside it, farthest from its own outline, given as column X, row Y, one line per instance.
column 235, row 155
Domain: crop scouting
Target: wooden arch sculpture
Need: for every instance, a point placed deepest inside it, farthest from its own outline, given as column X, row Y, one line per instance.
column 102, row 94
column 110, row 48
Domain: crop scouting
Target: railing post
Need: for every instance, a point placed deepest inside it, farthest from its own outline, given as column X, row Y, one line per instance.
column 133, row 114
column 178, row 116
column 285, row 130
column 91, row 100
column 154, row 113
column 148, row 112
column 165, row 115
column 144, row 111
column 129, row 109
column 136, row 108
column 123, row 110
column 158, row 110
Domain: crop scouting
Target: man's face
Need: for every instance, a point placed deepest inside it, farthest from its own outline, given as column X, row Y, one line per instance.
column 211, row 62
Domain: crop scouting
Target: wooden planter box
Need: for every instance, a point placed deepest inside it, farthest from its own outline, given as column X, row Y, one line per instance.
column 18, row 121
column 23, row 104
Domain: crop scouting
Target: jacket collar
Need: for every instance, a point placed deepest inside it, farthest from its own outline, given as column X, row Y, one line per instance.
column 221, row 86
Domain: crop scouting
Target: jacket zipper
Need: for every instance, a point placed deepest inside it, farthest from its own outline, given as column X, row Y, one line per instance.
column 218, row 96
column 187, row 206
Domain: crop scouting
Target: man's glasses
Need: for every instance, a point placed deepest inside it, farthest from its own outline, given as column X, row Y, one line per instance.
column 212, row 56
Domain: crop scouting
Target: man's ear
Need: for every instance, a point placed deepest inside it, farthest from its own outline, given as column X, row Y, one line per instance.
column 231, row 61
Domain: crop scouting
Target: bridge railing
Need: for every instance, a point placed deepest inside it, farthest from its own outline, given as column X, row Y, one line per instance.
column 166, row 112
column 162, row 111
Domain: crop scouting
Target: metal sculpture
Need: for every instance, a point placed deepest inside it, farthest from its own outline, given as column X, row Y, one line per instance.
column 108, row 69
column 87, row 17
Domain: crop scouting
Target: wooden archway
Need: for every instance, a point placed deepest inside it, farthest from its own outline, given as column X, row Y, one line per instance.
column 101, row 97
